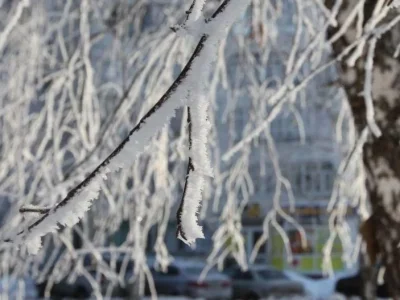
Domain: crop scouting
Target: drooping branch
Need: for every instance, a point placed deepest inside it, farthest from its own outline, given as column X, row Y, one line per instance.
column 78, row 200
column 190, row 168
column 199, row 167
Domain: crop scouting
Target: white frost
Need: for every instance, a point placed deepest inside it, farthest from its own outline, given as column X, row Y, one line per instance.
column 200, row 129
column 202, row 167
column 200, row 125
column 74, row 209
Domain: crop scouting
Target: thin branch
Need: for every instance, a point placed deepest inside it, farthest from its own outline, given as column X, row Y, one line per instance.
column 190, row 168
column 34, row 209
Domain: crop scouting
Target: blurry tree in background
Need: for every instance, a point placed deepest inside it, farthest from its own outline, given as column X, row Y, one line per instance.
column 370, row 76
column 76, row 76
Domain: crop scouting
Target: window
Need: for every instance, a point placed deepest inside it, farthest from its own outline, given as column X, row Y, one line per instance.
column 317, row 182
column 194, row 270
column 270, row 274
column 284, row 128
column 296, row 242
column 171, row 271
column 240, row 275
column 328, row 175
column 311, row 177
column 299, row 181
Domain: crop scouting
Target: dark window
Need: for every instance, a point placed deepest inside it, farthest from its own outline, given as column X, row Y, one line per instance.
column 173, row 271
column 126, row 265
column 311, row 176
column 328, row 173
column 256, row 236
column 271, row 274
column 246, row 275
column 317, row 184
column 299, row 180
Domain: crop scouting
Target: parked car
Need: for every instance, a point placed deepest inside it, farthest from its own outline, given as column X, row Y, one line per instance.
column 18, row 288
column 316, row 287
column 80, row 286
column 351, row 286
column 261, row 281
column 182, row 278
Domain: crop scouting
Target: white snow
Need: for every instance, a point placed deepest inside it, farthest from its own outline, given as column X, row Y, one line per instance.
column 200, row 124
column 200, row 127
column 68, row 213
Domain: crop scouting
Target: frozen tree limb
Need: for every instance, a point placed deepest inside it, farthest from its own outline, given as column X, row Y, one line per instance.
column 13, row 22
column 72, row 208
column 33, row 209
column 132, row 63
column 190, row 168
column 198, row 167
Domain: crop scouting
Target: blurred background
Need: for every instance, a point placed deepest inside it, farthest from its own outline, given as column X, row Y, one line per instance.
column 77, row 75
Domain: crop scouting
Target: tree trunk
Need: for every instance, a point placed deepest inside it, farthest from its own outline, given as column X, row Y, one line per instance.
column 368, row 259
column 381, row 155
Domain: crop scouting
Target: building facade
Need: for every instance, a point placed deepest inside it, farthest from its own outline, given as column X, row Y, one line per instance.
column 304, row 138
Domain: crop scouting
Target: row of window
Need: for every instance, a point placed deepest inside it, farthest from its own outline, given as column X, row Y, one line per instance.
column 283, row 128
column 306, row 178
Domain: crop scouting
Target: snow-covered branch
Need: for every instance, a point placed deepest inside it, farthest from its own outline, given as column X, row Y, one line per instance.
column 78, row 200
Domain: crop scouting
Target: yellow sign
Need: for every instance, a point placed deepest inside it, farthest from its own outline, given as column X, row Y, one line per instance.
column 306, row 211
column 309, row 259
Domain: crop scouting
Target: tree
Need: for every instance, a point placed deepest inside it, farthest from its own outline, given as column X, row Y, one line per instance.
column 369, row 75
column 69, row 84
column 78, row 74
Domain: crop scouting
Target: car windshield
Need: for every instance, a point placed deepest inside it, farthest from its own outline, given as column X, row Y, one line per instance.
column 270, row 274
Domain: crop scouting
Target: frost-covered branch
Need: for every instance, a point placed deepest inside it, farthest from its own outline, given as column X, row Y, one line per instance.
column 199, row 167
column 71, row 209
column 75, row 77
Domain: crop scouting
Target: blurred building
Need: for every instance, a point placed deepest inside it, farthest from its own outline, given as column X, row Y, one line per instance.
column 304, row 136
